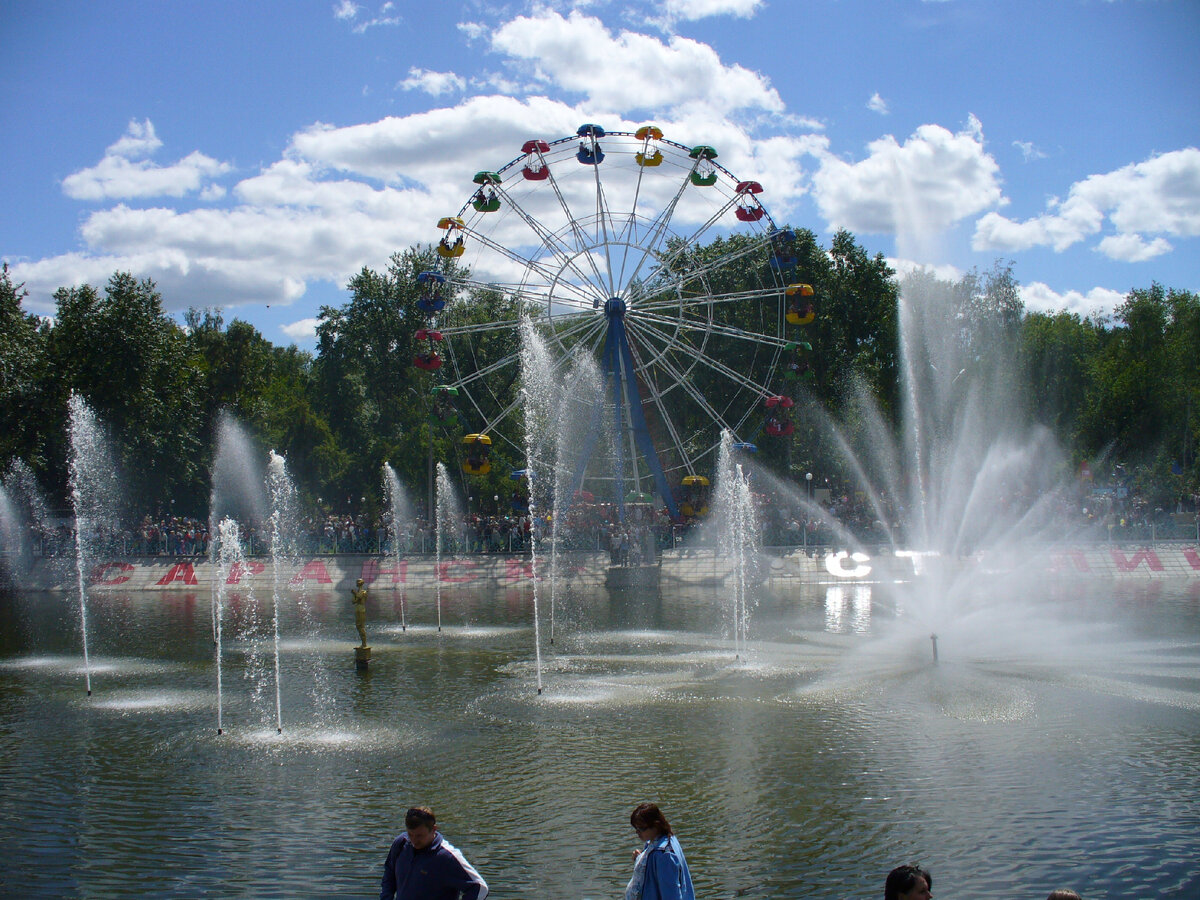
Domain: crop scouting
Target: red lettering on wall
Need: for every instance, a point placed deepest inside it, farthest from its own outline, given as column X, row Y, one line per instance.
column 1062, row 561
column 1142, row 556
column 371, row 572
column 465, row 565
column 517, row 570
column 179, row 572
column 237, row 570
column 1193, row 558
column 100, row 574
column 313, row 570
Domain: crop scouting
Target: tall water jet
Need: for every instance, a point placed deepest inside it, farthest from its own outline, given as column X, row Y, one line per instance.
column 735, row 515
column 580, row 395
column 449, row 524
column 400, row 509
column 94, row 497
column 22, row 512
column 538, row 390
column 282, row 496
column 12, row 533
column 237, row 487
column 227, row 549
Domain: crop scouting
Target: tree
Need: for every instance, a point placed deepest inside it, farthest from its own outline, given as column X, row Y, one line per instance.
column 1056, row 356
column 129, row 361
column 23, row 371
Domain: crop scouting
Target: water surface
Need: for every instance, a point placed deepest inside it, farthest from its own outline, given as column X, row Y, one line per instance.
column 824, row 754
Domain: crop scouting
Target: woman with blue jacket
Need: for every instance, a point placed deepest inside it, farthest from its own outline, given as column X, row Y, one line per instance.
column 660, row 871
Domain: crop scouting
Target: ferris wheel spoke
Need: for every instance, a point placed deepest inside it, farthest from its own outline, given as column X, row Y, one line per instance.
column 532, row 265
column 525, row 291
column 555, row 245
column 490, row 369
column 660, row 226
column 604, row 216
column 733, row 375
column 655, row 396
column 582, row 241
column 700, row 300
column 682, row 381
column 675, row 279
column 518, row 401
column 715, row 328
column 582, row 327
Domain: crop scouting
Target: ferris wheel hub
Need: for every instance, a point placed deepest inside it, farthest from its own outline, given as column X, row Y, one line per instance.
column 614, row 308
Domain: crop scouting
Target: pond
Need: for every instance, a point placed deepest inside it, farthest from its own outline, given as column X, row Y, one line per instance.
column 810, row 762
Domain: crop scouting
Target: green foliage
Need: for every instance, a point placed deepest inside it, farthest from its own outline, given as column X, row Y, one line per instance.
column 1128, row 389
column 129, row 361
column 23, row 374
column 1143, row 404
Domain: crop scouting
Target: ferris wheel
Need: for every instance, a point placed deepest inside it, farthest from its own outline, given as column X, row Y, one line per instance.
column 645, row 256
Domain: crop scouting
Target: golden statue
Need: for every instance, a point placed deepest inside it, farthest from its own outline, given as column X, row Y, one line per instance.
column 359, row 598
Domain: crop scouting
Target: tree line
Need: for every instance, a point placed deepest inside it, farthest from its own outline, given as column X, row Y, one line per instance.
column 1121, row 389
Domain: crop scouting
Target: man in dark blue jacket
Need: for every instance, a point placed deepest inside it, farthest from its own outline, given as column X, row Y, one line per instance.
column 422, row 865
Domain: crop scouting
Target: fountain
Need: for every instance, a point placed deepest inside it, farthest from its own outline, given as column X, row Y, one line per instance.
column 538, row 393
column 22, row 510
column 400, row 511
column 236, row 491
column 736, row 519
column 449, row 525
column 95, row 499
column 854, row 751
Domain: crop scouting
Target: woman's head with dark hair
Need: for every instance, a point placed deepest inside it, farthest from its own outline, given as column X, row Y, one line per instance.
column 648, row 817
column 909, row 882
column 1064, row 894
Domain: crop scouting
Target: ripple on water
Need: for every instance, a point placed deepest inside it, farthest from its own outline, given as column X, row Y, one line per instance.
column 74, row 666
column 152, row 701
column 316, row 738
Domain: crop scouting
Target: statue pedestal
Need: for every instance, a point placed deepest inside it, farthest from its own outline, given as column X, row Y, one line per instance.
column 362, row 656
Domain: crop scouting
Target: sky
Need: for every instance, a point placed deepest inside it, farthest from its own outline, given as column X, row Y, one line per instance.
column 252, row 157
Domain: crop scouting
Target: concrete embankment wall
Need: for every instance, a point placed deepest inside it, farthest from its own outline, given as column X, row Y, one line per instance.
column 1104, row 562
column 679, row 567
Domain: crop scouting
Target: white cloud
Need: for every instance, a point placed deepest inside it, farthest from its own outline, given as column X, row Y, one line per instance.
column 346, row 10
column 630, row 71
column 1039, row 297
column 944, row 272
column 439, row 147
column 433, row 83
column 472, row 31
column 138, row 140
column 878, row 104
column 1028, row 150
column 1132, row 247
column 691, row 10
column 1158, row 196
column 183, row 281
column 912, row 190
column 302, row 331
column 123, row 173
column 342, row 198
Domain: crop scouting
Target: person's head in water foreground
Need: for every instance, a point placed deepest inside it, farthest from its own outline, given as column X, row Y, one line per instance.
column 909, row 882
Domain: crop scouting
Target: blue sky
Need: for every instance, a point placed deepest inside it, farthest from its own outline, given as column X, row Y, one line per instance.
column 253, row 156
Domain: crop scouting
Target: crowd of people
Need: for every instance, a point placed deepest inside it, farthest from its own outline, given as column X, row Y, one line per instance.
column 785, row 519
